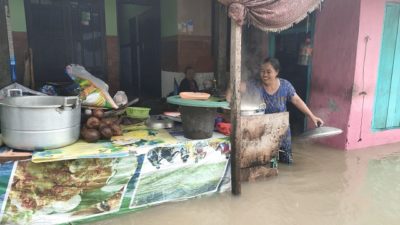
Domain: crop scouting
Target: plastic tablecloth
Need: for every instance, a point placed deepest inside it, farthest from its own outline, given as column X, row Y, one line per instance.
column 85, row 182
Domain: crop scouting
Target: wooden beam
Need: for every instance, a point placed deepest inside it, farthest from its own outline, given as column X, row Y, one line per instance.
column 261, row 137
column 5, row 77
column 236, row 134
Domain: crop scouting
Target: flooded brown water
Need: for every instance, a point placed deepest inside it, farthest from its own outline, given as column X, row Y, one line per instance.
column 324, row 186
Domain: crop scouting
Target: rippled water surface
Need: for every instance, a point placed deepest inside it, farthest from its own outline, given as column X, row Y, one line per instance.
column 324, row 186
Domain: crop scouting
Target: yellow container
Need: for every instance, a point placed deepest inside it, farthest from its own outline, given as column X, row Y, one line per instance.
column 137, row 112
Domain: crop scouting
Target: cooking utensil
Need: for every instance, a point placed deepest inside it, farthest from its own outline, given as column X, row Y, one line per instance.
column 120, row 110
column 39, row 122
column 158, row 122
column 320, row 132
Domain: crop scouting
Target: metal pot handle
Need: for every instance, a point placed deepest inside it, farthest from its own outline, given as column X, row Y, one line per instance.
column 10, row 91
column 68, row 100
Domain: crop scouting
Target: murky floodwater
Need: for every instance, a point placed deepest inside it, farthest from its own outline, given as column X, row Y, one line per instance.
column 323, row 186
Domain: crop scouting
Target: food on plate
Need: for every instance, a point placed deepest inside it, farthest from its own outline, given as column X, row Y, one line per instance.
column 194, row 95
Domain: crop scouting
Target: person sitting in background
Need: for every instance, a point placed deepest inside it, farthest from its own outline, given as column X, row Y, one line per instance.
column 189, row 84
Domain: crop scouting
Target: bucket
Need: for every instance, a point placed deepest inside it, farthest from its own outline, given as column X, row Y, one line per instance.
column 137, row 112
column 198, row 122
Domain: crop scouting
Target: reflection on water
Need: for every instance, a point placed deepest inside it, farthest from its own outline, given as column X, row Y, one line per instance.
column 323, row 186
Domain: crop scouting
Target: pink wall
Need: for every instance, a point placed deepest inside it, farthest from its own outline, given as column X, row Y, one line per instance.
column 371, row 24
column 338, row 63
column 334, row 63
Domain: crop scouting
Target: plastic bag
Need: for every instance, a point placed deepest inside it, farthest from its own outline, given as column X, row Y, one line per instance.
column 25, row 90
column 48, row 90
column 94, row 92
column 120, row 98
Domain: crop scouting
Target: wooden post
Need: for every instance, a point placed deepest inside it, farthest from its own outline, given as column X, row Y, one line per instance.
column 5, row 77
column 220, row 48
column 236, row 134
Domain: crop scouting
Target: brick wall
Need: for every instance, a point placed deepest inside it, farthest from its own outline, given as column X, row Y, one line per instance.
column 184, row 50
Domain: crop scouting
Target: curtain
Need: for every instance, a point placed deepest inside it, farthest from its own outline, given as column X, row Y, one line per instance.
column 270, row 15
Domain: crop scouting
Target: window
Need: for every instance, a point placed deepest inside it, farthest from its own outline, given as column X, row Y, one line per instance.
column 387, row 97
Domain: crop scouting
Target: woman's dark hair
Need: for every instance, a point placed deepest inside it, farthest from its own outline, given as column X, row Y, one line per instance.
column 274, row 63
column 188, row 68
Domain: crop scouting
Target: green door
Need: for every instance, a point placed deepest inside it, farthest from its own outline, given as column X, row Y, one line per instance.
column 387, row 97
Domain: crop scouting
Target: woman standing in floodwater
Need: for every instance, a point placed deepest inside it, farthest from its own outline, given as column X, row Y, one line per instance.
column 276, row 92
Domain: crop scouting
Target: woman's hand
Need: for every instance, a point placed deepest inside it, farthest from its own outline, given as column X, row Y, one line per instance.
column 318, row 122
column 296, row 100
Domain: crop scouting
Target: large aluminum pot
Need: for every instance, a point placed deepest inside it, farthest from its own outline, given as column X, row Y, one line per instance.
column 40, row 122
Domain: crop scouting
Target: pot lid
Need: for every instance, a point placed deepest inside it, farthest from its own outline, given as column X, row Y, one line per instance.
column 321, row 132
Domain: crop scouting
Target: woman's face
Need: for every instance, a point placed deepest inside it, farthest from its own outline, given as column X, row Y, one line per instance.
column 268, row 73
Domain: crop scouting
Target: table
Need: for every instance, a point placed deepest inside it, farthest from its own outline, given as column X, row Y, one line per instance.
column 87, row 182
column 212, row 102
column 198, row 116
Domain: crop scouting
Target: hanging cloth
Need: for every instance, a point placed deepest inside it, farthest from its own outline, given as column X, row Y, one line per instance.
column 270, row 15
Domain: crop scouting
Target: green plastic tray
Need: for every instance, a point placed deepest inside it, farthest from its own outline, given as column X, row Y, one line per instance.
column 212, row 102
